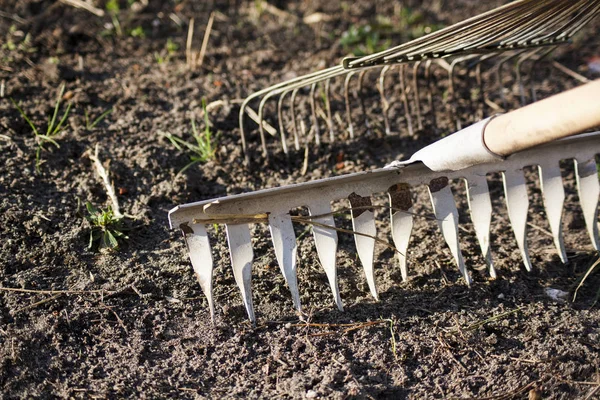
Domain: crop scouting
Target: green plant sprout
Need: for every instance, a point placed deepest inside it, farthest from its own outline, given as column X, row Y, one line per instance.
column 112, row 6
column 107, row 228
column 171, row 48
column 203, row 150
column 89, row 124
column 53, row 128
column 137, row 32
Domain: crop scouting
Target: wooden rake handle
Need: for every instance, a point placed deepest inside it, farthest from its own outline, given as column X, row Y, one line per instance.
column 556, row 117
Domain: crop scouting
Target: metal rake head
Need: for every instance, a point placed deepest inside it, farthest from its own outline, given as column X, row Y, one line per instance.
column 524, row 30
column 272, row 206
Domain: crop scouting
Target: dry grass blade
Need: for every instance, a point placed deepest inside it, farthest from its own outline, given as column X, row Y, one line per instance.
column 587, row 274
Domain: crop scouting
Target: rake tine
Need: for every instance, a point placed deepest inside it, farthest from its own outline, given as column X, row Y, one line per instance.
column 532, row 68
column 401, row 214
column 453, row 96
column 520, row 62
column 385, row 104
column 347, row 101
column 503, row 61
column 313, row 109
column 415, row 82
column 198, row 245
column 281, row 123
column 480, row 205
column 361, row 78
column 328, row 107
column 294, row 122
column 405, row 101
column 284, row 241
column 588, row 189
column 261, row 129
column 363, row 221
column 517, row 203
column 553, row 194
column 447, row 217
column 326, row 241
column 240, row 250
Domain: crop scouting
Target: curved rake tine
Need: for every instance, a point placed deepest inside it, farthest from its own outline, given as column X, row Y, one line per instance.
column 405, row 100
column 532, row 68
column 313, row 108
column 281, row 123
column 480, row 205
column 361, row 78
column 453, row 95
column 588, row 188
column 503, row 61
column 328, row 107
column 447, row 218
column 517, row 203
column 198, row 245
column 428, row 86
column 553, row 195
column 363, row 221
column 520, row 62
column 270, row 89
column 240, row 250
column 385, row 104
column 284, row 241
column 415, row 82
column 326, row 241
column 347, row 101
column 479, row 81
column 401, row 214
column 294, row 121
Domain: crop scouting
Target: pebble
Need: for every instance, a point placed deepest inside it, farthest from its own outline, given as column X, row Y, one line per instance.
column 311, row 394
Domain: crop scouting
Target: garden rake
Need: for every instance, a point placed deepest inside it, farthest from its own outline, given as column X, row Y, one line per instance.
column 524, row 30
column 505, row 143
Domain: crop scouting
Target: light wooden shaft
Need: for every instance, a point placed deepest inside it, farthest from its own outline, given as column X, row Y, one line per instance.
column 556, row 117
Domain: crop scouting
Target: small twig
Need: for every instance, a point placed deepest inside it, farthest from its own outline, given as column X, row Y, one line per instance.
column 19, row 290
column 188, row 45
column 570, row 72
column 37, row 303
column 266, row 126
column 110, row 190
column 200, row 59
column 84, row 6
column 14, row 17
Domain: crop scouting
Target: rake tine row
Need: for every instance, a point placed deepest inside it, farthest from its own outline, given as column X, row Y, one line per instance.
column 273, row 207
column 516, row 30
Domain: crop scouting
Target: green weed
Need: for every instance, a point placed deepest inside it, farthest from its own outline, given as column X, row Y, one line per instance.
column 137, row 32
column 204, row 148
column 171, row 49
column 112, row 7
column 89, row 124
column 52, row 130
column 106, row 228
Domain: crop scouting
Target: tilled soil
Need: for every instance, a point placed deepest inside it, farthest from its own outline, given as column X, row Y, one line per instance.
column 133, row 323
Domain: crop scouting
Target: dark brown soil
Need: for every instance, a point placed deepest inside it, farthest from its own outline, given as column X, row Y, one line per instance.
column 135, row 323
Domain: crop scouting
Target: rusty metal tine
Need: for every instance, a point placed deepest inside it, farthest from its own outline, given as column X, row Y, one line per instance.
column 281, row 123
column 294, row 122
column 347, row 101
column 405, row 101
column 328, row 109
column 588, row 188
column 240, row 251
column 446, row 214
column 326, row 241
column 480, row 205
column 385, row 104
column 401, row 215
column 363, row 222
column 415, row 82
column 198, row 246
column 284, row 241
column 517, row 203
column 361, row 78
column 553, row 195
column 313, row 109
